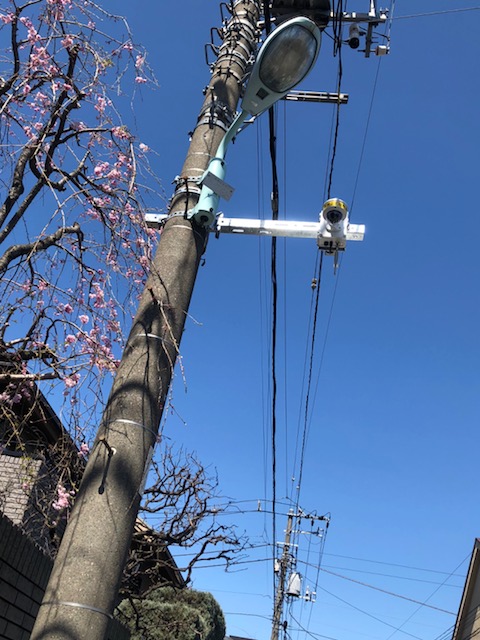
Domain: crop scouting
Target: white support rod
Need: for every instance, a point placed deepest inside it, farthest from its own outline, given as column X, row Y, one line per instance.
column 279, row 228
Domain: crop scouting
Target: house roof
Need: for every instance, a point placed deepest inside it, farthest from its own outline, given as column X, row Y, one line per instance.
column 468, row 617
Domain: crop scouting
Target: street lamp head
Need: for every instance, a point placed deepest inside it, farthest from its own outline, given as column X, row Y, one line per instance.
column 284, row 59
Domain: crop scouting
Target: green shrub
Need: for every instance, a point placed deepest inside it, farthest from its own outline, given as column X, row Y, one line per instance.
column 168, row 614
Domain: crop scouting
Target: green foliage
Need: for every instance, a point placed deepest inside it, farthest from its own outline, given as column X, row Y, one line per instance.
column 169, row 614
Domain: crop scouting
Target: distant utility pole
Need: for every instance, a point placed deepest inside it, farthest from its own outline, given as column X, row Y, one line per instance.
column 82, row 591
column 282, row 578
column 289, row 581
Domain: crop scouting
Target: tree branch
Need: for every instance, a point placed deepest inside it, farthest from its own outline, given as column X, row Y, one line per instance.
column 42, row 244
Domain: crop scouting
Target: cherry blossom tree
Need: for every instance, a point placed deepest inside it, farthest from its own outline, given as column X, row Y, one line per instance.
column 74, row 249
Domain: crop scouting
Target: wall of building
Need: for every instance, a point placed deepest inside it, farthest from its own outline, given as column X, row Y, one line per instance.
column 24, row 573
column 16, row 476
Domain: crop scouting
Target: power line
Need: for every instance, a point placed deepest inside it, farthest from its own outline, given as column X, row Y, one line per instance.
column 436, row 13
column 389, row 575
column 309, row 633
column 309, row 382
column 337, row 26
column 390, row 593
column 370, row 615
column 423, row 604
column 392, row 564
column 367, row 125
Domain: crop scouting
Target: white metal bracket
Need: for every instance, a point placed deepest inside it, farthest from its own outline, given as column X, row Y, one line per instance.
column 330, row 238
column 327, row 241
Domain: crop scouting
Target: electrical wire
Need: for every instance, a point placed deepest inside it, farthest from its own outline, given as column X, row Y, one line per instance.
column 362, row 152
column 429, row 597
column 304, row 376
column 274, row 204
column 369, row 615
column 337, row 51
column 390, row 593
column 387, row 35
column 309, row 381
column 264, row 316
column 437, row 13
column 309, row 633
column 391, row 564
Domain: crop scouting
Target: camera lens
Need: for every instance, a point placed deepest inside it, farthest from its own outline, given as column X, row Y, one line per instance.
column 334, row 216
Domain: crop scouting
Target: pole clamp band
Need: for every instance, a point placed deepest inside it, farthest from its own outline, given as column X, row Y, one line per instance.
column 78, row 606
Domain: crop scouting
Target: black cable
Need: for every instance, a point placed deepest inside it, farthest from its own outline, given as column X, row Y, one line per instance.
column 370, row 615
column 274, row 381
column 274, row 203
column 309, row 382
column 425, row 601
column 337, row 51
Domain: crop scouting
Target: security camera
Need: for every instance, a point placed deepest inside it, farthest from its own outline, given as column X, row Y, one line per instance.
column 354, row 36
column 334, row 211
column 332, row 235
column 335, row 229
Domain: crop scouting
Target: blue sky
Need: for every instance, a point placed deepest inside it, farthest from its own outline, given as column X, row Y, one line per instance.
column 395, row 398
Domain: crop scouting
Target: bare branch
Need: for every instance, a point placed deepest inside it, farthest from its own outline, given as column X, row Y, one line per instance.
column 41, row 244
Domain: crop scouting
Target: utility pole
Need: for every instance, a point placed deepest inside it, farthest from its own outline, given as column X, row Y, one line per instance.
column 282, row 577
column 289, row 581
column 83, row 587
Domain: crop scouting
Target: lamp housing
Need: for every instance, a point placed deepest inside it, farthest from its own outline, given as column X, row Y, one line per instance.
column 284, row 59
column 316, row 10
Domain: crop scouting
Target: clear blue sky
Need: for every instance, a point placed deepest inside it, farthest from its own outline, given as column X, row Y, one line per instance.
column 393, row 434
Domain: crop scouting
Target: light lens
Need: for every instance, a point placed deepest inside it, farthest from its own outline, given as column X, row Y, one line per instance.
column 288, row 59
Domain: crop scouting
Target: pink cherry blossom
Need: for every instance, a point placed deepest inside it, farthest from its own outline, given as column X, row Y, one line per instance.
column 63, row 499
column 72, row 380
column 84, row 450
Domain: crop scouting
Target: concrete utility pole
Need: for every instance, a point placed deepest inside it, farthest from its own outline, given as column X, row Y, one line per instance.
column 282, row 577
column 82, row 591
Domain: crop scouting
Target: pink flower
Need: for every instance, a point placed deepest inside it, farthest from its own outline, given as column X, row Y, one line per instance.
column 67, row 41
column 101, row 104
column 84, row 319
column 72, row 381
column 84, row 450
column 143, row 147
column 70, row 339
column 100, row 169
column 98, row 296
column 121, row 132
column 78, row 126
column 114, row 175
column 63, row 498
column 68, row 308
column 140, row 80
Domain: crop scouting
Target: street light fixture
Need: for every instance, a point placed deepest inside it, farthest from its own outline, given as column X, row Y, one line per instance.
column 284, row 59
